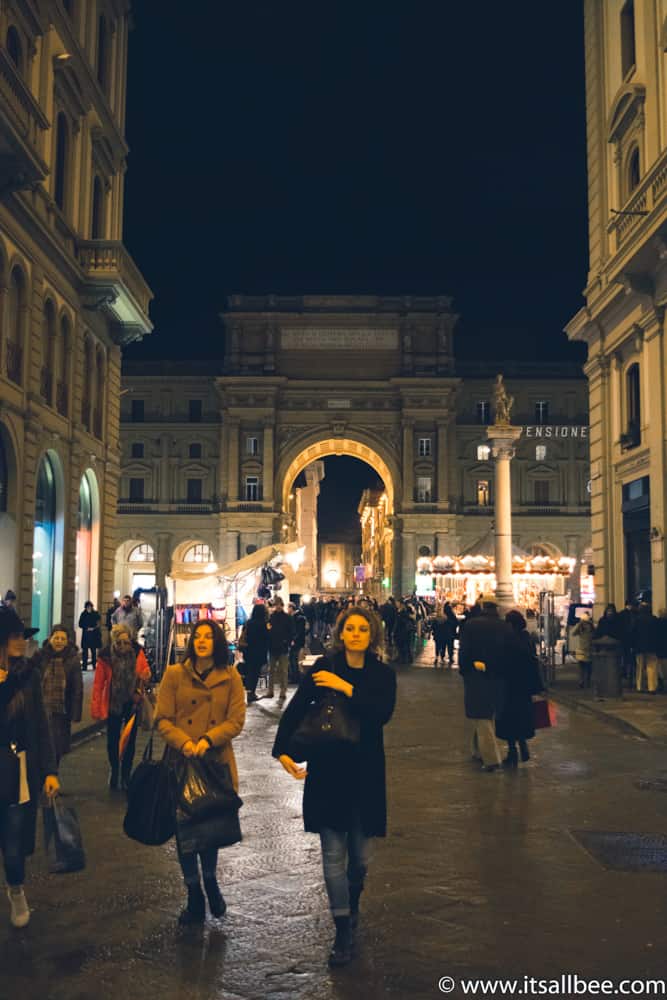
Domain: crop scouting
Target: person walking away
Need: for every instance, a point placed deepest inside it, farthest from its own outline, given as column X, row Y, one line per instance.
column 121, row 670
column 583, row 632
column 201, row 708
column 452, row 629
column 484, row 651
column 91, row 635
column 128, row 615
column 59, row 667
column 298, row 642
column 516, row 720
column 440, row 631
column 626, row 620
column 256, row 649
column 344, row 797
column 281, row 633
column 25, row 727
column 645, row 645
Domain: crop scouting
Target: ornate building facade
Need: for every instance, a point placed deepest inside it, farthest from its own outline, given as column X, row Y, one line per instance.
column 374, row 378
column 623, row 321
column 70, row 297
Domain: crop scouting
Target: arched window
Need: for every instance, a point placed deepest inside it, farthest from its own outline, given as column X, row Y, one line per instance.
column 628, row 58
column 48, row 338
column 15, row 49
column 199, row 553
column 62, row 162
column 633, row 406
column 15, row 309
column 97, row 220
column 87, row 543
column 44, row 547
column 142, row 553
column 62, row 368
column 102, row 52
column 633, row 175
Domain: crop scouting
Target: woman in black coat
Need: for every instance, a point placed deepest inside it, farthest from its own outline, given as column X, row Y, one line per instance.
column 91, row 634
column 24, row 731
column 345, row 793
column 255, row 649
column 516, row 722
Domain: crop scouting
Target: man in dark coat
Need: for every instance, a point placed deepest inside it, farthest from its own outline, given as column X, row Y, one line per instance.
column 281, row 634
column 645, row 645
column 486, row 647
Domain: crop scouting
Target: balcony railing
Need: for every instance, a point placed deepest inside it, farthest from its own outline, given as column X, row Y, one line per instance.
column 155, row 507
column 14, row 361
column 645, row 199
column 104, row 261
column 62, row 399
column 22, row 121
column 45, row 384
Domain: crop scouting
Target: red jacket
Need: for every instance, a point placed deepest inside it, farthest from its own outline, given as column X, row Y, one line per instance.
column 99, row 706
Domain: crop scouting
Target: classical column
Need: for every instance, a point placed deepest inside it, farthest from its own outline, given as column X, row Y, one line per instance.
column 267, row 467
column 232, row 545
column 233, row 459
column 502, row 438
column 396, row 555
column 409, row 562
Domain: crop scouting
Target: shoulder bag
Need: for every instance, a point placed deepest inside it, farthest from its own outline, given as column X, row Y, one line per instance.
column 328, row 724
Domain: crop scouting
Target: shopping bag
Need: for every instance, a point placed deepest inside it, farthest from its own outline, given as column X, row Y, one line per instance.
column 205, row 787
column 150, row 812
column 62, row 839
column 146, row 709
column 194, row 835
column 544, row 714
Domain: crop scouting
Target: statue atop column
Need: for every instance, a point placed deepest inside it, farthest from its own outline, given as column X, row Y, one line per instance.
column 503, row 403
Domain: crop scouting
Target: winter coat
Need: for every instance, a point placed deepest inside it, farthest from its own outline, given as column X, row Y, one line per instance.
column 29, row 729
column 256, row 651
column 613, row 627
column 490, row 640
column 523, row 680
column 281, row 633
column 645, row 634
column 346, row 782
column 99, row 705
column 583, row 632
column 190, row 707
column 299, row 624
column 73, row 681
column 90, row 620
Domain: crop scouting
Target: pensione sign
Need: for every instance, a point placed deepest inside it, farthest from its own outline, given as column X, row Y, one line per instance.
column 549, row 431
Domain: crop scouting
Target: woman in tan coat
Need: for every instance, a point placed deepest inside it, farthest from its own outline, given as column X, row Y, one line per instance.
column 201, row 706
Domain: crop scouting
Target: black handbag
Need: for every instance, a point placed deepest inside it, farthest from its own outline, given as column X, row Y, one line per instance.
column 222, row 830
column 328, row 724
column 150, row 812
column 10, row 775
column 205, row 787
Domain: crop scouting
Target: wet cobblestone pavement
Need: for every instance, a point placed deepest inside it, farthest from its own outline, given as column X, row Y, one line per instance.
column 480, row 875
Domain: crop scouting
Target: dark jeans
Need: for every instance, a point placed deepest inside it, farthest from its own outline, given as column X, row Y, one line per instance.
column 115, row 724
column 251, row 674
column 345, row 862
column 190, row 869
column 84, row 657
column 11, row 843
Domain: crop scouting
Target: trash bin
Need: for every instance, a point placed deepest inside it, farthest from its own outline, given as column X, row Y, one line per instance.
column 607, row 668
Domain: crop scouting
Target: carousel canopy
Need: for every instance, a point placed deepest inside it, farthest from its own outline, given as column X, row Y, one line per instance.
column 479, row 558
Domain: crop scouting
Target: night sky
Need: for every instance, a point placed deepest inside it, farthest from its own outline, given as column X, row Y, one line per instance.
column 382, row 147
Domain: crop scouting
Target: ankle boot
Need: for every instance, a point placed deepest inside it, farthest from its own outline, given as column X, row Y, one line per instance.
column 20, row 911
column 525, row 753
column 512, row 759
column 355, row 893
column 216, row 901
column 195, row 911
column 341, row 953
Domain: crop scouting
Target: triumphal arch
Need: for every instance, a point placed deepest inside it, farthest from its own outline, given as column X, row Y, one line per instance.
column 366, row 376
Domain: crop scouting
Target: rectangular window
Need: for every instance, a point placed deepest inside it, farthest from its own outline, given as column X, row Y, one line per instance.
column 136, row 490
column 195, row 450
column 483, row 493
column 138, row 411
column 628, row 57
column 540, row 452
column 252, row 446
column 483, row 452
column 194, row 411
column 194, row 490
column 542, row 491
column 252, row 488
column 424, row 448
column 423, row 489
column 483, row 411
column 137, row 449
column 541, row 412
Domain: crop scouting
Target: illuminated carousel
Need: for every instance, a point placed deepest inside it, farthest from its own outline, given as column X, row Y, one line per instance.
column 461, row 579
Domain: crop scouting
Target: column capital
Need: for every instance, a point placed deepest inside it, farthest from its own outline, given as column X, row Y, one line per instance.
column 502, row 438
